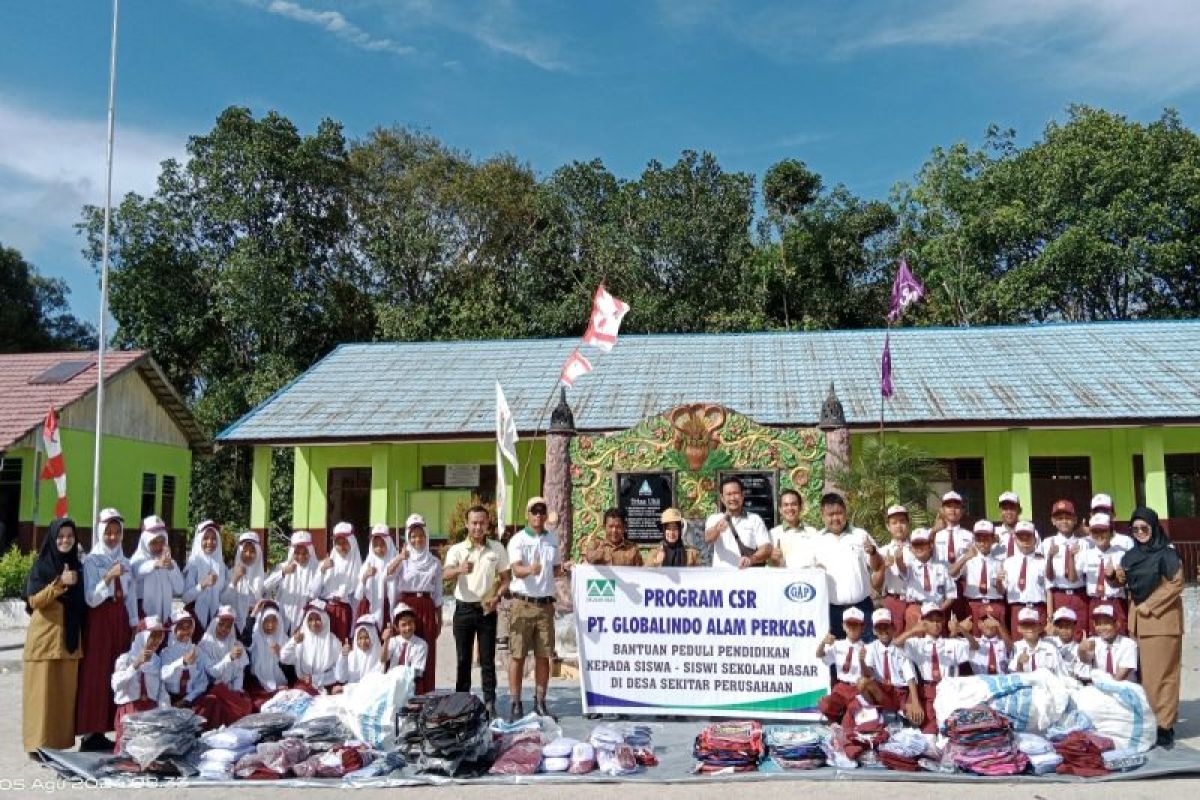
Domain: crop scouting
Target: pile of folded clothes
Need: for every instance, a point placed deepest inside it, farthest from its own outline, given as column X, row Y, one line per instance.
column 982, row 742
column 269, row 725
column 1042, row 758
column 735, row 746
column 556, row 755
column 271, row 760
column 161, row 741
column 518, row 754
column 336, row 762
column 454, row 737
column 225, row 748
column 1083, row 754
column 905, row 750
column 319, row 733
column 622, row 749
column 795, row 746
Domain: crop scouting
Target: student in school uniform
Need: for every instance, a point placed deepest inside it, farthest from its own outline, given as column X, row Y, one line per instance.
column 1023, row 578
column 267, row 677
column 977, row 569
column 950, row 540
column 934, row 655
column 1062, row 635
column 1032, row 652
column 888, row 677
column 294, row 583
column 1103, row 504
column 246, row 580
column 375, row 578
column 401, row 645
column 205, row 575
column 926, row 580
column 159, row 580
column 1006, row 528
column 137, row 676
column 418, row 586
column 1063, row 552
column 990, row 649
column 361, row 655
column 1101, row 566
column 340, row 573
column 225, row 661
column 313, row 651
column 183, row 665
column 1107, row 651
column 845, row 656
column 887, row 580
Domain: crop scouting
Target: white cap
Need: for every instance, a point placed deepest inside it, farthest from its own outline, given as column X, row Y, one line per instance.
column 929, row 608
column 226, row 611
column 1028, row 615
column 343, row 529
column 1104, row 610
column 951, row 497
column 880, row 615
column 301, row 538
column 1025, row 526
column 919, row 535
column 206, row 525
column 1009, row 497
column 414, row 521
column 401, row 608
column 534, row 501
column 109, row 514
column 316, row 604
column 1101, row 501
column 179, row 616
column 249, row 536
column 984, row 526
column 155, row 524
column 1065, row 613
column 1100, row 520
column 897, row 509
column 852, row 614
column 381, row 529
column 151, row 623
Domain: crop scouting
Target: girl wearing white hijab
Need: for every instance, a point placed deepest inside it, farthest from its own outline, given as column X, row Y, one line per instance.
column 361, row 655
column 340, row 572
column 294, row 582
column 419, row 586
column 205, row 575
column 157, row 576
column 246, row 579
column 111, row 595
column 225, row 661
column 266, row 645
column 184, row 665
column 137, row 676
column 314, row 651
column 373, row 583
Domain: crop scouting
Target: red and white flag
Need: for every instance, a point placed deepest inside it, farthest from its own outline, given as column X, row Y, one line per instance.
column 607, row 312
column 54, row 467
column 574, row 367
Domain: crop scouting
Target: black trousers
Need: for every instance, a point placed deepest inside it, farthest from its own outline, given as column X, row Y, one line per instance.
column 470, row 623
column 835, row 619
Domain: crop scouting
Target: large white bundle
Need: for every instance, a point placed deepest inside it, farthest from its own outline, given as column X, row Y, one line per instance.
column 1032, row 701
column 1120, row 711
column 369, row 707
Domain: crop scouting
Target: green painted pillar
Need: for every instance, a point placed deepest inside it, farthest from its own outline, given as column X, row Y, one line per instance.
column 300, row 484
column 260, row 489
column 380, row 483
column 1156, row 470
column 1123, row 491
column 1018, row 446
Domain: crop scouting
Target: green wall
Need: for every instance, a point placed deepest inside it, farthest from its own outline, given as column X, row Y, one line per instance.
column 124, row 462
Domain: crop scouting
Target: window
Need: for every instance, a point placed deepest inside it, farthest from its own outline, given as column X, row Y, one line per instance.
column 1183, row 485
column 433, row 476
column 168, row 499
column 149, row 493
column 965, row 476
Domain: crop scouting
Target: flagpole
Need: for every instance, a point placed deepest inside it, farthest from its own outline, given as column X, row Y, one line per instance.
column 882, row 397
column 112, row 97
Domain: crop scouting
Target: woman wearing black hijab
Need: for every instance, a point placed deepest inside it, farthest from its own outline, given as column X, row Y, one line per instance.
column 1154, row 578
column 672, row 552
column 56, row 606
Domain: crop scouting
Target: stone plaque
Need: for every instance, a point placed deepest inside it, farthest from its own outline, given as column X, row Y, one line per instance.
column 643, row 496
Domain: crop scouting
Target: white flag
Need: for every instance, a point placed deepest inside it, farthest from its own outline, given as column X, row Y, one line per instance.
column 607, row 313
column 575, row 366
column 506, row 448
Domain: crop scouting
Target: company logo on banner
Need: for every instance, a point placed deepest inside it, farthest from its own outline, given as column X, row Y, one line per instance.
column 699, row 642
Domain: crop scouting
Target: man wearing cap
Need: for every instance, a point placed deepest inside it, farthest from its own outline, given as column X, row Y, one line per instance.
column 888, row 580
column 1010, row 515
column 848, row 555
column 1101, row 568
column 533, row 556
column 479, row 568
column 738, row 537
column 1103, row 504
column 977, row 569
column 1064, row 556
column 792, row 542
column 614, row 550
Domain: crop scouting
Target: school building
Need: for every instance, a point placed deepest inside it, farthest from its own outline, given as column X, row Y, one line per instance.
column 1049, row 411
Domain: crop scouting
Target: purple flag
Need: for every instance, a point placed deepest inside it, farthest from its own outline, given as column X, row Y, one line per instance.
column 886, row 387
column 906, row 290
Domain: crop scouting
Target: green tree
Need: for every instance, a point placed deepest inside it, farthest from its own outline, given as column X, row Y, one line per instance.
column 883, row 473
column 35, row 314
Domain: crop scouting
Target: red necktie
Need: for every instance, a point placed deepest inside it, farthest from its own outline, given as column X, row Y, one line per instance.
column 183, row 682
column 142, row 685
column 1012, row 544
column 1024, row 569
column 935, row 668
column 983, row 581
column 849, row 658
column 928, row 585
column 1100, row 580
column 993, row 662
column 950, row 545
column 887, row 667
column 1108, row 663
column 1033, row 661
column 403, row 652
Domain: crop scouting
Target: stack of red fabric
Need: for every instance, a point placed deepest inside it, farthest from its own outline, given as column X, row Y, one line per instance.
column 1082, row 754
column 896, row 761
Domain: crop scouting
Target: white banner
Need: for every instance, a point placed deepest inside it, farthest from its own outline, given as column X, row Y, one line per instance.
column 701, row 642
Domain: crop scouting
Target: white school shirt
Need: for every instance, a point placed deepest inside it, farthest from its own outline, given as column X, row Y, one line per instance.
column 1068, row 653
column 847, row 567
column 963, row 539
column 972, row 573
column 1060, row 560
column 157, row 587
column 1121, row 541
column 127, row 687
column 835, row 656
column 941, row 585
column 751, row 530
column 979, row 658
column 97, row 590
column 893, row 581
column 797, row 546
column 527, row 547
column 1124, row 655
column 1095, row 560
column 173, row 667
column 1035, row 579
column 1043, row 655
column 1006, row 540
column 951, row 653
column 414, row 651
column 900, row 667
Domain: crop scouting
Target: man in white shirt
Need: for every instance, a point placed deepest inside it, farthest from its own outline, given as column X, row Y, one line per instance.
column 793, row 544
column 848, row 556
column 738, row 537
column 533, row 558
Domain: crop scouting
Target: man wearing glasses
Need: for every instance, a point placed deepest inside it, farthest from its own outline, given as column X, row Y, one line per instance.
column 533, row 556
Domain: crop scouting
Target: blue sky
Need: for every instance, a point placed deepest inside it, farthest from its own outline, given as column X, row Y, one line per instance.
column 861, row 91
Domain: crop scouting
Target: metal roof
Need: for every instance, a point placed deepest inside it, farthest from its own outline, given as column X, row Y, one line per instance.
column 1099, row 373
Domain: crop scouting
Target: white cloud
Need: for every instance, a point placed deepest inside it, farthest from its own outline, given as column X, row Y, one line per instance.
column 336, row 23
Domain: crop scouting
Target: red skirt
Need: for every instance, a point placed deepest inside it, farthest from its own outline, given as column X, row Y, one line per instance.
column 222, row 706
column 106, row 636
column 1120, row 608
column 305, row 685
column 1077, row 601
column 429, row 625
column 340, row 618
column 257, row 694
column 123, row 711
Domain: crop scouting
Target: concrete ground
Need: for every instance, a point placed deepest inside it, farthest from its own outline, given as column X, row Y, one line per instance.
column 21, row 777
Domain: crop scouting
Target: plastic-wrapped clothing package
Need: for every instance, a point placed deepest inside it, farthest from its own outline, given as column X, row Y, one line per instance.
column 523, row 758
column 1123, row 759
column 560, row 748
column 283, row 755
column 289, row 701
column 319, row 729
column 1032, row 745
column 335, row 763
column 1044, row 763
column 583, row 759
column 230, row 738
column 269, row 725
column 737, row 745
column 619, row 761
column 383, row 764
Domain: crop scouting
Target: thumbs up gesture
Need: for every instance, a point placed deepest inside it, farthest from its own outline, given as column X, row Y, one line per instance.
column 190, row 658
column 368, row 573
column 345, row 648
column 327, row 564
column 69, row 576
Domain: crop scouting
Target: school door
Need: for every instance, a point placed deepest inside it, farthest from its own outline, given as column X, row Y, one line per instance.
column 348, row 490
column 1059, row 478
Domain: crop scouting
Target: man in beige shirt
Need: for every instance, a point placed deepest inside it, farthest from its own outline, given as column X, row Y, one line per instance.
column 480, row 570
